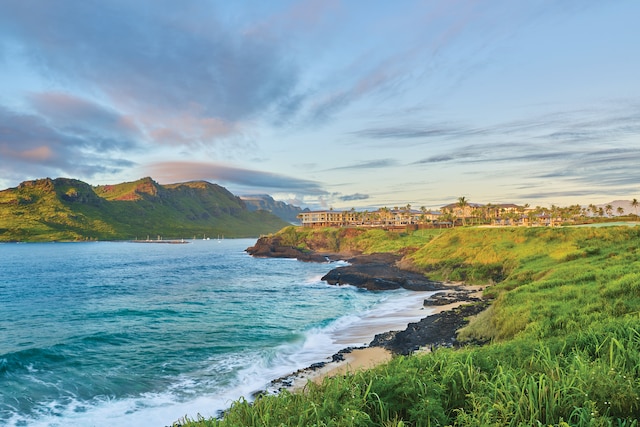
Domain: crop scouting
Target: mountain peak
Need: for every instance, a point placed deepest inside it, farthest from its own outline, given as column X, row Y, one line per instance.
column 129, row 191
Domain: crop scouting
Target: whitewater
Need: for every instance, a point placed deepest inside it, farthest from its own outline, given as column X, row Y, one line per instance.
column 123, row 333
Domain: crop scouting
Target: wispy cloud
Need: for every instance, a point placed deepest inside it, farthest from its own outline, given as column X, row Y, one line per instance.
column 598, row 124
column 372, row 164
column 247, row 179
column 353, row 197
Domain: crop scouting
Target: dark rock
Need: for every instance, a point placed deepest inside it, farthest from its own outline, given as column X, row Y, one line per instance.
column 338, row 357
column 444, row 298
column 383, row 339
column 376, row 273
column 272, row 247
column 438, row 330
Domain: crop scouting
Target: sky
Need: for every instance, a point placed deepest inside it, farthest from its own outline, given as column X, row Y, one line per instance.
column 328, row 103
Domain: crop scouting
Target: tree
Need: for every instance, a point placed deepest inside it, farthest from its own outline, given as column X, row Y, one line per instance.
column 608, row 209
column 634, row 205
column 462, row 204
column 489, row 213
column 620, row 210
column 406, row 213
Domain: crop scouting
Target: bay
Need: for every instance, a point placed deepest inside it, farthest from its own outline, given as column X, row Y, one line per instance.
column 98, row 333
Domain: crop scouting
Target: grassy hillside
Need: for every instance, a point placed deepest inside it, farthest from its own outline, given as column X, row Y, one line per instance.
column 68, row 209
column 563, row 336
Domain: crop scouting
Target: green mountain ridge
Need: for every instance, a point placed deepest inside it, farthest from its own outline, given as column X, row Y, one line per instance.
column 65, row 209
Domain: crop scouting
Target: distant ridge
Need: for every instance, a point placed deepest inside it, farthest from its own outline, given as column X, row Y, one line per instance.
column 68, row 209
column 265, row 202
column 626, row 206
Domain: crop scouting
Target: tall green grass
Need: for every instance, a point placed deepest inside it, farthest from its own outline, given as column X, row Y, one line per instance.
column 563, row 337
column 589, row 379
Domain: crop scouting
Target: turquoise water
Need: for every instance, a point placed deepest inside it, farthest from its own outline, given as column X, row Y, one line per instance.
column 94, row 334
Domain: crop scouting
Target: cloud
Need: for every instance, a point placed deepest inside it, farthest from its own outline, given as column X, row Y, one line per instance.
column 101, row 127
column 247, row 179
column 407, row 132
column 373, row 164
column 550, row 195
column 460, row 154
column 353, row 197
column 155, row 58
column 30, row 146
column 331, row 102
column 604, row 123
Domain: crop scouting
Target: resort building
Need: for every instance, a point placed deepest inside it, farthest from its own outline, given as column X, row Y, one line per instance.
column 383, row 218
column 506, row 214
column 328, row 218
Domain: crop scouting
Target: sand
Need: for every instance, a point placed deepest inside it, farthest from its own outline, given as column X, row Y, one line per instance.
column 358, row 359
column 369, row 357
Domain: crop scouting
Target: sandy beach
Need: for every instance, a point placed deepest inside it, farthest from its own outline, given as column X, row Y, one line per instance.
column 369, row 357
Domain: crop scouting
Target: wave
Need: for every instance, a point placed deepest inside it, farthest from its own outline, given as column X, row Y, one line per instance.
column 224, row 379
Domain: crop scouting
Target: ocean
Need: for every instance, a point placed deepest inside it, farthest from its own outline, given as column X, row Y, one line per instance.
column 123, row 333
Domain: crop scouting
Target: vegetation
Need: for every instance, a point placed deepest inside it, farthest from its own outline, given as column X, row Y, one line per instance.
column 562, row 336
column 67, row 209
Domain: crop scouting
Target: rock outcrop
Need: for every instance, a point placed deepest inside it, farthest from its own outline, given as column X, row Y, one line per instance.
column 272, row 247
column 438, row 330
column 378, row 272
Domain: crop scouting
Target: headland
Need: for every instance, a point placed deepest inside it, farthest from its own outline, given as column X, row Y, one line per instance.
column 447, row 310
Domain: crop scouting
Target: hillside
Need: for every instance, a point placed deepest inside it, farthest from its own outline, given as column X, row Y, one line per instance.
column 68, row 209
column 560, row 341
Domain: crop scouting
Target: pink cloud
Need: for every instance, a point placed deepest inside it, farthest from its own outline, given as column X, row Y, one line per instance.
column 255, row 180
column 38, row 154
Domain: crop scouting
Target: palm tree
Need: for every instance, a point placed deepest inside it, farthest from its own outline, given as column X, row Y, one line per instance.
column 634, row 204
column 447, row 215
column 554, row 214
column 423, row 217
column 492, row 213
column 475, row 215
column 620, row 210
column 406, row 210
column 608, row 209
column 462, row 204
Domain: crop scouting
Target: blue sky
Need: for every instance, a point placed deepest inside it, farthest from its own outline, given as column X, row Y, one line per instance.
column 328, row 103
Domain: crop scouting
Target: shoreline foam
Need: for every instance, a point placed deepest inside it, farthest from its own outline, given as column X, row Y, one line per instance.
column 351, row 360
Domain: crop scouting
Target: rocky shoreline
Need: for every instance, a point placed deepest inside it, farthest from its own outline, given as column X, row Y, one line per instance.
column 379, row 272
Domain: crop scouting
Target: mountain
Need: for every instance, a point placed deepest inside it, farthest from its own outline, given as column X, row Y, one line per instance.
column 265, row 202
column 626, row 205
column 69, row 209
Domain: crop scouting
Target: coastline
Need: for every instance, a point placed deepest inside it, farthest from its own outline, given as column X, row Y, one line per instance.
column 351, row 360
column 449, row 307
